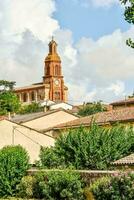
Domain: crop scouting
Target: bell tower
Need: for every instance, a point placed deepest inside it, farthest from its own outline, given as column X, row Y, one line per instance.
column 53, row 75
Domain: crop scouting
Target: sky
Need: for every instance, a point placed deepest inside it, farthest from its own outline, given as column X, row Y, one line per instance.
column 91, row 36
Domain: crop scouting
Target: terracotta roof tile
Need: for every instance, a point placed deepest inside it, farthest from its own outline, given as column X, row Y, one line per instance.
column 123, row 102
column 32, row 116
column 2, row 118
column 128, row 160
column 125, row 114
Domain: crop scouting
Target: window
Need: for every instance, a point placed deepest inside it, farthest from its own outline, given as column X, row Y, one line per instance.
column 25, row 97
column 32, row 96
column 57, row 70
column 57, row 96
column 47, row 70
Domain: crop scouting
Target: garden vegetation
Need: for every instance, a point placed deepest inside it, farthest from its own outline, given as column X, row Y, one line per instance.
column 92, row 148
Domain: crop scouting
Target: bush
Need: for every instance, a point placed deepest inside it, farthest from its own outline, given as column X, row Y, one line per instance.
column 50, row 159
column 55, row 185
column 115, row 188
column 92, row 148
column 91, row 108
column 34, row 107
column 26, row 187
column 13, row 166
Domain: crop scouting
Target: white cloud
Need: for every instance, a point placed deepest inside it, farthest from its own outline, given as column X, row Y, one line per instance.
column 118, row 87
column 34, row 15
column 93, row 70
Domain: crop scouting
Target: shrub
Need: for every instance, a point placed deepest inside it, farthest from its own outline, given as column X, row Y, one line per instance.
column 92, row 148
column 34, row 107
column 50, row 159
column 26, row 187
column 55, row 185
column 92, row 108
column 13, row 166
column 121, row 187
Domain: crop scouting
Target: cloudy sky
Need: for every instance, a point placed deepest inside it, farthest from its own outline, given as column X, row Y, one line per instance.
column 91, row 36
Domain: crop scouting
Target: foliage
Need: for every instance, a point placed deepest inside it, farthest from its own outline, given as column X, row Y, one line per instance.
column 26, row 187
column 118, row 187
column 6, row 85
column 129, row 16
column 13, row 166
column 50, row 159
column 55, row 185
column 34, row 107
column 92, row 108
column 9, row 102
column 92, row 148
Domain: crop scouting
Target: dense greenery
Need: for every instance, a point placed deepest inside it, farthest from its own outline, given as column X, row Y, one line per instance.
column 6, row 85
column 13, row 166
column 93, row 148
column 115, row 188
column 52, row 185
column 129, row 16
column 91, row 108
column 34, row 107
column 50, row 159
column 9, row 102
column 26, row 187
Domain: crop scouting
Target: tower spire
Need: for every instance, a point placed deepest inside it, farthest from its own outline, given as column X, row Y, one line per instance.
column 53, row 55
column 52, row 38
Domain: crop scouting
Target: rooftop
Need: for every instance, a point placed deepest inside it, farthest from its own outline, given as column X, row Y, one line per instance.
column 128, row 160
column 125, row 101
column 33, row 86
column 28, row 117
column 2, row 118
column 122, row 115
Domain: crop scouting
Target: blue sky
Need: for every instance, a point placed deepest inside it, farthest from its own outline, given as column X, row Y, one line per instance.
column 89, row 20
column 91, row 37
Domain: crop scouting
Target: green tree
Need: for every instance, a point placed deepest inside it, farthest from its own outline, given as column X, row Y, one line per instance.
column 9, row 102
column 13, row 165
column 34, row 107
column 6, row 85
column 93, row 148
column 129, row 16
column 91, row 108
column 114, row 188
column 59, row 185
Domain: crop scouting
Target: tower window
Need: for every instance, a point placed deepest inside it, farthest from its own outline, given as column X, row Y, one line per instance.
column 47, row 70
column 57, row 96
column 57, row 70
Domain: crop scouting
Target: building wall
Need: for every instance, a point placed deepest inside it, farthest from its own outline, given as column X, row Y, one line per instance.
column 61, row 105
column 13, row 134
column 50, row 120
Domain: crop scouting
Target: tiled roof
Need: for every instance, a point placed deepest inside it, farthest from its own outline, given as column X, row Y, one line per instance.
column 122, row 115
column 28, row 117
column 128, row 160
column 125, row 101
column 33, row 86
column 2, row 118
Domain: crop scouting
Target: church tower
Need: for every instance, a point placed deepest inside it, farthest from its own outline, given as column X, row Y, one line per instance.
column 53, row 75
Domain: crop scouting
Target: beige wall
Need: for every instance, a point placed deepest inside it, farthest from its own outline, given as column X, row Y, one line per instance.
column 50, row 120
column 11, row 133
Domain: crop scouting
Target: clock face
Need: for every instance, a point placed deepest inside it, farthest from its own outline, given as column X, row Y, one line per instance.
column 57, row 82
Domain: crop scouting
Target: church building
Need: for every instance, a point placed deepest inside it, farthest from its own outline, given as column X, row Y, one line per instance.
column 52, row 87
